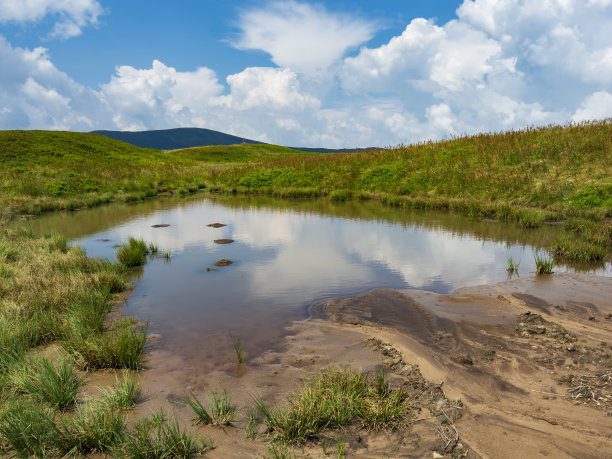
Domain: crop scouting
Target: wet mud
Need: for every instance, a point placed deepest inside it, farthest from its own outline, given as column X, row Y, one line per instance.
column 512, row 370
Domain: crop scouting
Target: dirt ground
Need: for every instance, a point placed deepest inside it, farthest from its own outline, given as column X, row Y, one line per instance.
column 512, row 370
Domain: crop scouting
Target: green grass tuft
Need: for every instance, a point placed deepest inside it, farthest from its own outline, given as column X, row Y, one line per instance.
column 240, row 355
column 133, row 253
column 57, row 384
column 154, row 437
column 544, row 264
column 512, row 266
column 125, row 393
column 221, row 412
column 332, row 400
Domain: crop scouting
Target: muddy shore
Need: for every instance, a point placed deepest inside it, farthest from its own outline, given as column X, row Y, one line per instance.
column 520, row 369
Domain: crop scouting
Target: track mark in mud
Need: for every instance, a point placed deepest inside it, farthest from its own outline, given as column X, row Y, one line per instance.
column 425, row 394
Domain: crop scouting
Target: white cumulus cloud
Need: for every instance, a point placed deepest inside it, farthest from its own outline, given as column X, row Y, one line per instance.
column 72, row 15
column 301, row 36
column 498, row 65
column 595, row 107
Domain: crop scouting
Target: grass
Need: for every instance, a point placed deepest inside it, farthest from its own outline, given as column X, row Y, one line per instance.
column 53, row 303
column 53, row 295
column 335, row 399
column 221, row 412
column 529, row 176
column 240, row 355
column 512, row 266
column 135, row 252
column 56, row 385
column 125, row 393
column 544, row 264
column 156, row 437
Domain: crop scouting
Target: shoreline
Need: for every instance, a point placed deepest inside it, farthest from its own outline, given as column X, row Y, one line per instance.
column 466, row 343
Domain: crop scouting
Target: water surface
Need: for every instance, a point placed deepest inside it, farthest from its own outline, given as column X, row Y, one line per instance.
column 287, row 255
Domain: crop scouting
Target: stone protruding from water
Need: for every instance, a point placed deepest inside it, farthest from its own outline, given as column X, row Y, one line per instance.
column 217, row 225
column 223, row 241
column 223, row 262
column 160, row 225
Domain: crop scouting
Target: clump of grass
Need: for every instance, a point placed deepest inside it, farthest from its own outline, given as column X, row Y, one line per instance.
column 512, row 266
column 334, row 399
column 544, row 264
column 133, row 253
column 93, row 428
column 124, row 394
column 56, row 385
column 167, row 255
column 279, row 452
column 251, row 428
column 341, row 448
column 221, row 412
column 530, row 218
column 120, row 348
column 240, row 355
column 29, row 429
column 156, row 437
column 152, row 248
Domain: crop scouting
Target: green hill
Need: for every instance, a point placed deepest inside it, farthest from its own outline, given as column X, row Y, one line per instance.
column 171, row 139
column 528, row 176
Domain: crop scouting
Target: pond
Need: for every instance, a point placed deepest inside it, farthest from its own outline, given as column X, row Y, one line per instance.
column 287, row 254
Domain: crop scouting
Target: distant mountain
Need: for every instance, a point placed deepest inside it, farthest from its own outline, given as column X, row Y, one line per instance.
column 173, row 139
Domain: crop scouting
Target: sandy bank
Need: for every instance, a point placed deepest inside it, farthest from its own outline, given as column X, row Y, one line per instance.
column 507, row 377
column 515, row 375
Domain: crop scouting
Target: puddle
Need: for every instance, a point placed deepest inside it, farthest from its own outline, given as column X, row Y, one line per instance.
column 284, row 256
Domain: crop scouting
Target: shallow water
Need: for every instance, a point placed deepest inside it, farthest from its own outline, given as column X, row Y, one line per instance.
column 287, row 255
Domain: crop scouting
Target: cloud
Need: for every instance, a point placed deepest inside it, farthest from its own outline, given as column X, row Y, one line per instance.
column 72, row 15
column 595, row 107
column 35, row 94
column 267, row 87
column 159, row 97
column 300, row 36
column 499, row 65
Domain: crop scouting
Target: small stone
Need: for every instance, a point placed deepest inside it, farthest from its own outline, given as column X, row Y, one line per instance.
column 223, row 262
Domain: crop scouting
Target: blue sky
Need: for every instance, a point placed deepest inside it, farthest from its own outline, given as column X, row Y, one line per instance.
column 332, row 73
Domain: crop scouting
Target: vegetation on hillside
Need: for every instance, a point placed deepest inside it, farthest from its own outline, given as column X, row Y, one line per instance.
column 528, row 176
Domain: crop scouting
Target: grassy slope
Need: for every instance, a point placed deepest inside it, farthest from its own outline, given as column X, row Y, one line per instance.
column 528, row 176
column 568, row 170
column 243, row 152
column 42, row 170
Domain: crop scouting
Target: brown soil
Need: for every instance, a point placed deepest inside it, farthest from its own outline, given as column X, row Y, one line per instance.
column 223, row 262
column 160, row 225
column 217, row 225
column 223, row 241
column 512, row 370
column 533, row 384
